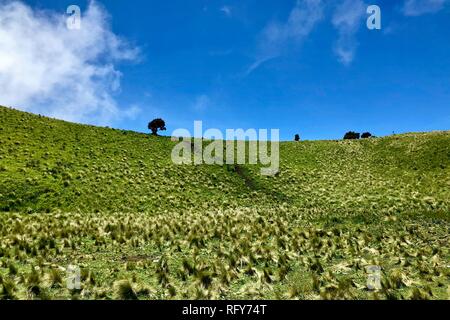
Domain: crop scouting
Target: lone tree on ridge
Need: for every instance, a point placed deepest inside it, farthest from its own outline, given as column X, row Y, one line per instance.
column 155, row 125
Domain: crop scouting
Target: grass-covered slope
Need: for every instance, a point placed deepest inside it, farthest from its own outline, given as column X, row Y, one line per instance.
column 49, row 165
column 113, row 203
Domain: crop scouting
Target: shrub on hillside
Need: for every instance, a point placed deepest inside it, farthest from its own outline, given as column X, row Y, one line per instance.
column 351, row 135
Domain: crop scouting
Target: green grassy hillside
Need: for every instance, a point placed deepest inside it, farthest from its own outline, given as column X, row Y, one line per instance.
column 113, row 203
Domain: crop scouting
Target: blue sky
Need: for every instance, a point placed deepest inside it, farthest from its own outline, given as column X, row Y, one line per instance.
column 310, row 67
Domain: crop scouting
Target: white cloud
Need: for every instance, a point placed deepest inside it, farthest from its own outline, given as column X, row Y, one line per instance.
column 276, row 36
column 132, row 112
column 420, row 7
column 347, row 19
column 68, row 74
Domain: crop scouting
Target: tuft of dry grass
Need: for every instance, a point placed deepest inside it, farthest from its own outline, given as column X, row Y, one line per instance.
column 124, row 290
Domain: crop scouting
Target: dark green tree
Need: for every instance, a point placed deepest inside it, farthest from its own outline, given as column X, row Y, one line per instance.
column 351, row 135
column 297, row 137
column 157, row 125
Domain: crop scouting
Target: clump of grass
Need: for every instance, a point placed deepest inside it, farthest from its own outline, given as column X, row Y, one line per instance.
column 143, row 291
column 12, row 269
column 130, row 266
column 316, row 283
column 33, row 283
column 395, row 279
column 56, row 278
column 9, row 287
column 421, row 294
column 204, row 278
column 125, row 291
column 172, row 291
column 87, row 276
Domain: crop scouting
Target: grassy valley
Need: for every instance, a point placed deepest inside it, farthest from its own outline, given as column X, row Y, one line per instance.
column 140, row 227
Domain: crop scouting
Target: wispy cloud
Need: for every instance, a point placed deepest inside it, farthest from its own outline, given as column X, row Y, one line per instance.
column 255, row 65
column 347, row 19
column 201, row 103
column 420, row 7
column 132, row 112
column 224, row 52
column 227, row 10
column 277, row 36
column 68, row 74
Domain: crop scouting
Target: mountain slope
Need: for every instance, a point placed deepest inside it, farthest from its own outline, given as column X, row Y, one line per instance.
column 113, row 204
column 49, row 165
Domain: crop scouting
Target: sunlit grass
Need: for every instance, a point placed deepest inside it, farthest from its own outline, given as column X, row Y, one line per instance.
column 111, row 203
